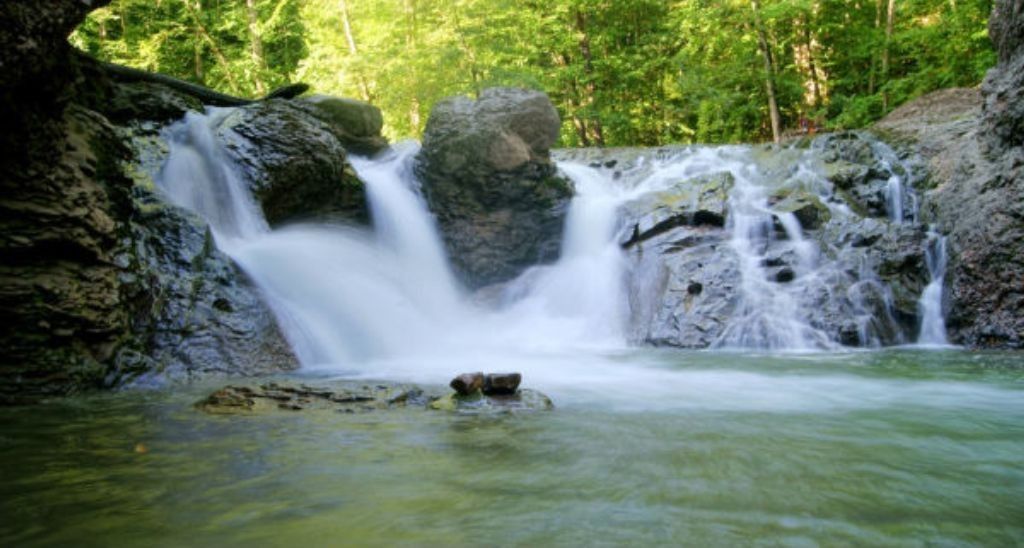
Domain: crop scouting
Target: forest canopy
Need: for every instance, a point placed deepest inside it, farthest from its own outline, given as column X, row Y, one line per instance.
column 621, row 72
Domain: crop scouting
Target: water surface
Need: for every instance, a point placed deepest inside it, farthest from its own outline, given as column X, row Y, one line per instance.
column 898, row 447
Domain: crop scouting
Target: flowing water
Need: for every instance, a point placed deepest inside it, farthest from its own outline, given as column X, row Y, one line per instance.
column 880, row 448
column 646, row 446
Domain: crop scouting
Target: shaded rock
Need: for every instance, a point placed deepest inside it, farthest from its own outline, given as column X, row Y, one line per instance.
column 468, row 383
column 295, row 162
column 496, row 384
column 488, row 178
column 144, row 101
column 1003, row 89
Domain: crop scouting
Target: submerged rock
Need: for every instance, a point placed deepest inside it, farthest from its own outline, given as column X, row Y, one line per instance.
column 488, row 178
column 522, row 400
column 350, row 397
column 344, row 397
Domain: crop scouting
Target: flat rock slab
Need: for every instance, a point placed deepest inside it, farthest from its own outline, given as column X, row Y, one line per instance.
column 355, row 397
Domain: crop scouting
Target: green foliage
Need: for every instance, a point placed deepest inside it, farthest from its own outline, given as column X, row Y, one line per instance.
column 621, row 72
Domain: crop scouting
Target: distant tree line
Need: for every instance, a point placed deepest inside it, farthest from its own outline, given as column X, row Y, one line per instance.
column 621, row 72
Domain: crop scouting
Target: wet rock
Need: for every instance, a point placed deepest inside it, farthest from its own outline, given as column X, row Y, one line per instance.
column 488, row 178
column 339, row 397
column 295, row 162
column 468, row 383
column 806, row 207
column 972, row 147
column 524, row 400
column 496, row 384
column 349, row 397
column 699, row 201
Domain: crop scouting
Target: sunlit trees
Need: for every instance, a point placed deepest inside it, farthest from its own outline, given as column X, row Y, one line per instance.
column 620, row 71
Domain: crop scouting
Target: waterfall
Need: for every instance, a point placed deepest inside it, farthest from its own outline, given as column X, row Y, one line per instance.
column 769, row 314
column 347, row 296
column 384, row 299
column 933, row 324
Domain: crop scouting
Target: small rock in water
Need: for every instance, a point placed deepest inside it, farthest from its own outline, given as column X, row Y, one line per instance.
column 501, row 383
column 468, row 383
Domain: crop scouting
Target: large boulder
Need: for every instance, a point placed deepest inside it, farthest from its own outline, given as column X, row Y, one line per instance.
column 296, row 162
column 488, row 177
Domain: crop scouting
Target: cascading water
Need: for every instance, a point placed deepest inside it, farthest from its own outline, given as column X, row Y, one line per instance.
column 348, row 297
column 933, row 324
column 386, row 301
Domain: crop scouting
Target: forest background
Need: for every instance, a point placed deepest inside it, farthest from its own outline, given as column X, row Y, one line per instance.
column 621, row 72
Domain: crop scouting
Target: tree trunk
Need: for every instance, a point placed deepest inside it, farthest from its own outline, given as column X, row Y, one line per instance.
column 878, row 24
column 890, row 16
column 809, row 41
column 364, row 88
column 410, row 42
column 594, row 130
column 256, row 45
column 769, row 72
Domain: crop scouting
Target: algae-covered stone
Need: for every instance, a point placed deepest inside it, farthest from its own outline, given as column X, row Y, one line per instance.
column 524, row 400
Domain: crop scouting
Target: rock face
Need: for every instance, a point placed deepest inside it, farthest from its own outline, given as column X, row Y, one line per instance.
column 685, row 279
column 973, row 150
column 487, row 175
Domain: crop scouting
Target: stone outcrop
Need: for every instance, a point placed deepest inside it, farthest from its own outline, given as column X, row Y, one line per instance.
column 684, row 280
column 487, row 176
column 971, row 146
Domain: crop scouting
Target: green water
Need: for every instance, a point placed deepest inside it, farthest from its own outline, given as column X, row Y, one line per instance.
column 900, row 447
